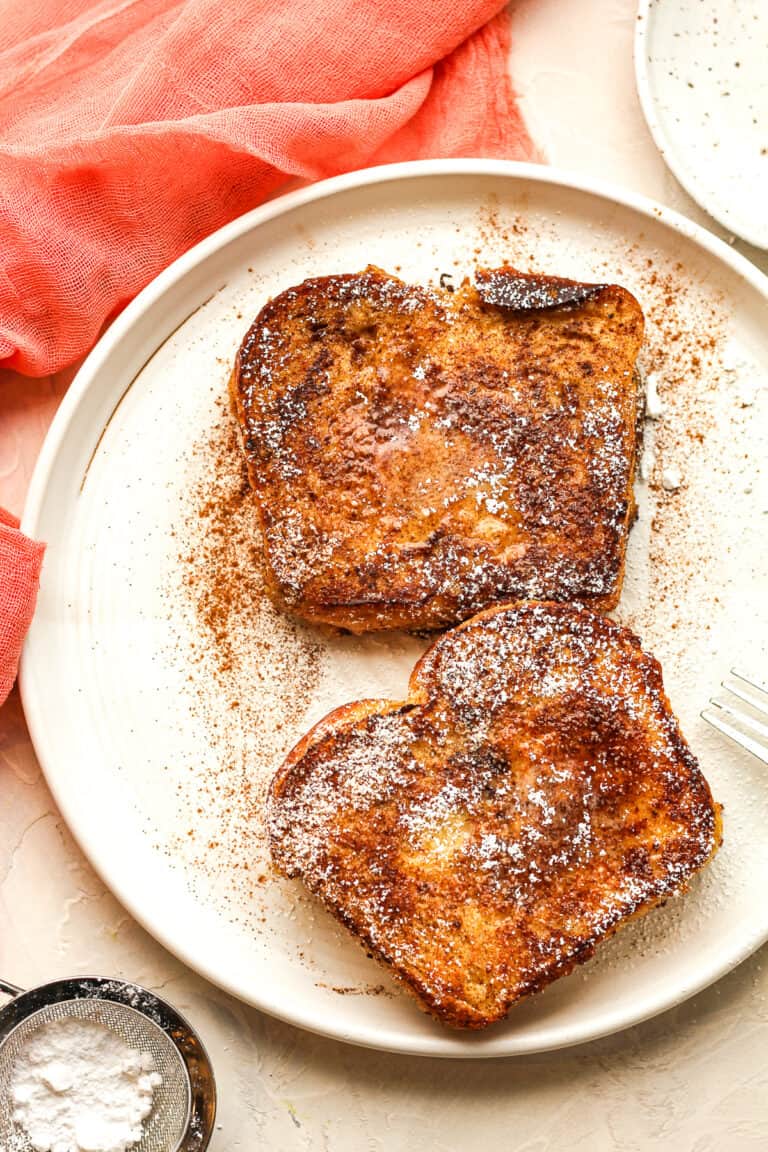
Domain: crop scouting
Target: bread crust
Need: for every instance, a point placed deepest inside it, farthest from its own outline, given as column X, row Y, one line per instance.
column 531, row 796
column 418, row 455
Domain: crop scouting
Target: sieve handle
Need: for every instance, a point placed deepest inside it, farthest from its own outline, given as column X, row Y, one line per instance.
column 10, row 989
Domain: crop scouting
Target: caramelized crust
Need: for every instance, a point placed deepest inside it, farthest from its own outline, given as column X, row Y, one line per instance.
column 481, row 838
column 418, row 455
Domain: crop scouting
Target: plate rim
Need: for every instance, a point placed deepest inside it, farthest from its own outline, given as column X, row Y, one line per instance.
column 441, row 1045
column 665, row 142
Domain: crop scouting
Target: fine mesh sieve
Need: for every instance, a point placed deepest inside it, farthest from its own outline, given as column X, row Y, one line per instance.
column 183, row 1106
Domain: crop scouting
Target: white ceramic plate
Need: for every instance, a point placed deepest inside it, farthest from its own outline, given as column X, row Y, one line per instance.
column 160, row 778
column 702, row 77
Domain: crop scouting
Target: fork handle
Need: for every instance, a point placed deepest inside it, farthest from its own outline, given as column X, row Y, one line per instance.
column 10, row 989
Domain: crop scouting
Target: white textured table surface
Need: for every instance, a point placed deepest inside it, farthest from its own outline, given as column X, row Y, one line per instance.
column 695, row 1079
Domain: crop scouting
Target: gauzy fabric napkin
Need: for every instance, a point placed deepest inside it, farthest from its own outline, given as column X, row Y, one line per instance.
column 130, row 129
column 20, row 560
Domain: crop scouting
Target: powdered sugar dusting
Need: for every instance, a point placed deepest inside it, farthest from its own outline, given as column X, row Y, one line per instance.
column 420, row 455
column 497, row 813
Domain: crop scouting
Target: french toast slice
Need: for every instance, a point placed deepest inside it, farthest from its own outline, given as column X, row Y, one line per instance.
column 481, row 838
column 419, row 454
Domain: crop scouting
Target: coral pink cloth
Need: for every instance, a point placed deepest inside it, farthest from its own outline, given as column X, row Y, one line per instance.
column 129, row 129
column 20, row 560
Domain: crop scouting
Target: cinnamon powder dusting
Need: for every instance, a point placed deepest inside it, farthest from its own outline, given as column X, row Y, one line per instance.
column 254, row 674
column 686, row 445
column 682, row 364
column 251, row 673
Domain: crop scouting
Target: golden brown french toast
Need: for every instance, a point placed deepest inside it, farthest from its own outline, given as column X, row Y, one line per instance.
column 532, row 795
column 419, row 454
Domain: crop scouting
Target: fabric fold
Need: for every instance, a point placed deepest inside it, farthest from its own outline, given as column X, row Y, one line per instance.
column 129, row 131
column 20, row 562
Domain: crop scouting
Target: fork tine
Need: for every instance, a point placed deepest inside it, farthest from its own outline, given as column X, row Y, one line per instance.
column 760, row 685
column 740, row 717
column 758, row 703
column 715, row 718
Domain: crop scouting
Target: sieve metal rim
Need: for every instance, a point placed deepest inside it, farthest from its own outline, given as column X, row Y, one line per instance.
column 201, row 1111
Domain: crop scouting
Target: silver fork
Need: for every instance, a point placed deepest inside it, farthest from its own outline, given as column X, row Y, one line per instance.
column 730, row 716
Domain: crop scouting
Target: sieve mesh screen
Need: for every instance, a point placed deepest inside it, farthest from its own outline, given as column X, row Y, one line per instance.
column 167, row 1122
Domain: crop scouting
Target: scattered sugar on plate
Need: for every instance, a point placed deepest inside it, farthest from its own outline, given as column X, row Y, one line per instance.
column 654, row 405
column 647, row 459
column 671, row 479
column 77, row 1087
